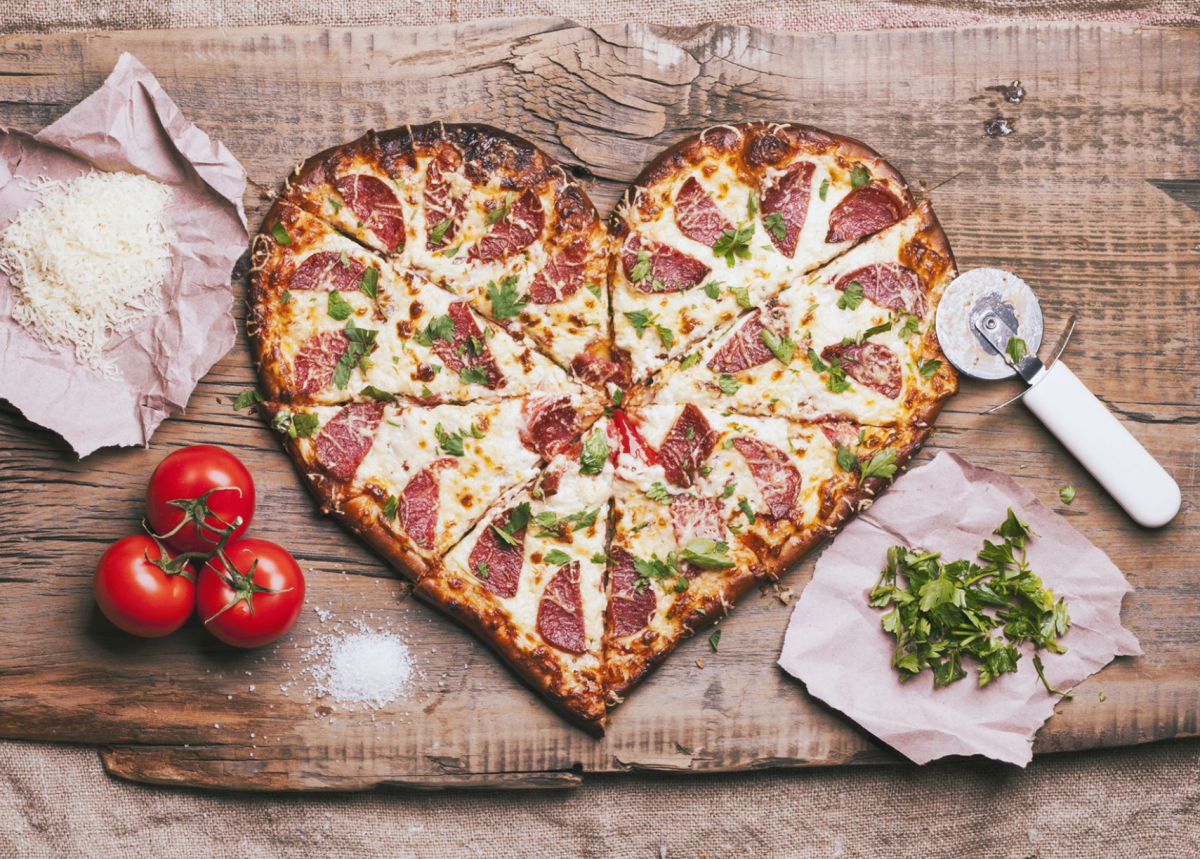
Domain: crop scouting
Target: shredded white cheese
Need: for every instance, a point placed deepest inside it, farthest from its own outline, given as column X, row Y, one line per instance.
column 89, row 262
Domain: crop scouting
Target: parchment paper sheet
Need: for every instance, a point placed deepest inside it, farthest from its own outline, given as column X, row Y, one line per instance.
column 129, row 124
column 836, row 645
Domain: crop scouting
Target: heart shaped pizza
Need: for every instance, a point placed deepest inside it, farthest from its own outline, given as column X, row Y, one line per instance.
column 587, row 441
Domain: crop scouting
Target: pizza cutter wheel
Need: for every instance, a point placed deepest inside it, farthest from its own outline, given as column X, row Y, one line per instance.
column 980, row 312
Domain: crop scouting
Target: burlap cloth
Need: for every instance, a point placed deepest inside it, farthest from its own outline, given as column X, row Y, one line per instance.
column 1137, row 802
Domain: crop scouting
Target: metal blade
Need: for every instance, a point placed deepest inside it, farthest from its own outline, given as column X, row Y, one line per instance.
column 973, row 292
column 996, row 331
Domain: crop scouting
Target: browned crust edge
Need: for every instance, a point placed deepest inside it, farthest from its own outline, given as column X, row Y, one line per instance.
column 436, row 591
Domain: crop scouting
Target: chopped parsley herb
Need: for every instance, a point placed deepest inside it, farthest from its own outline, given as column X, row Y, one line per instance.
column 439, row 328
column 473, row 376
column 1067, row 494
column 882, row 465
column 689, row 433
column 344, row 260
column 744, row 506
column 448, row 253
column 941, row 612
column 851, row 297
column 377, row 395
column 872, row 331
column 595, row 453
column 734, row 244
column 337, row 207
column 666, row 335
column 707, row 554
column 361, row 341
column 506, row 301
column 452, row 443
column 599, row 558
column 728, row 384
column 1016, row 349
column 705, row 470
column 499, row 213
column 714, row 640
column 338, row 308
column 836, row 381
column 713, row 289
column 824, row 189
column 298, row 425
column 425, row 392
column 279, row 231
column 655, row 569
column 783, row 348
column 846, row 459
column 557, row 557
column 928, row 368
column 641, row 269
column 481, row 570
column 775, row 226
column 389, row 507
column 658, row 492
column 618, row 397
column 742, row 294
column 369, row 285
column 729, row 489
column 640, row 320
column 908, row 329
column 438, row 234
column 286, row 298
column 859, row 176
column 752, row 205
column 689, row 361
column 247, row 398
column 518, row 520
column 593, row 288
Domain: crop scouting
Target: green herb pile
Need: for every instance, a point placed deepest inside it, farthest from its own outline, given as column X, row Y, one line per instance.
column 941, row 613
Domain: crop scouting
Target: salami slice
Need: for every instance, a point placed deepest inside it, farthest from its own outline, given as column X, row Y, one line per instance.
column 548, row 424
column 628, row 611
column 865, row 210
column 560, row 612
column 345, row 439
column 695, row 518
column 313, row 366
column 325, row 271
column 788, row 198
column 440, row 202
column 517, row 230
column 562, row 275
column 872, row 364
column 778, row 480
column 494, row 562
column 468, row 348
column 417, row 510
column 671, row 270
column 601, row 372
column 697, row 216
column 746, row 348
column 889, row 285
column 376, row 206
column 844, row 433
column 687, row 446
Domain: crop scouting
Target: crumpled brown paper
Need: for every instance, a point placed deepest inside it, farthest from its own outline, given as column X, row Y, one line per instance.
column 129, row 124
column 835, row 643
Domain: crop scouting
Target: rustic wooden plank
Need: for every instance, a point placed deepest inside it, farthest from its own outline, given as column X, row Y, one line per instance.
column 1093, row 199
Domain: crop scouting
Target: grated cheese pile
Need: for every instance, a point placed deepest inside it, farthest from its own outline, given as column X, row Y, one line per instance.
column 365, row 667
column 89, row 262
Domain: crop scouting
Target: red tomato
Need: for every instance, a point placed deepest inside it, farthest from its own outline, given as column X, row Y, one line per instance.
column 266, row 577
column 202, row 483
column 142, row 588
column 632, row 442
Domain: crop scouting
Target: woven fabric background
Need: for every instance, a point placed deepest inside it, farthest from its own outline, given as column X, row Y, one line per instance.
column 1137, row 803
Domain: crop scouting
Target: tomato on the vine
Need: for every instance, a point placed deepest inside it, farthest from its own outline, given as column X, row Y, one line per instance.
column 250, row 594
column 205, row 485
column 143, row 587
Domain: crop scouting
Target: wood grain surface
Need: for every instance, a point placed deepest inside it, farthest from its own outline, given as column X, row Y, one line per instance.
column 1093, row 198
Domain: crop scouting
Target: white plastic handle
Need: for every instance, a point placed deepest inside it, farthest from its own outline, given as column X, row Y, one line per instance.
column 1104, row 447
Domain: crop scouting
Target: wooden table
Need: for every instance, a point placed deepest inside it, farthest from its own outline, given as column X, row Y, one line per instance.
column 1093, row 198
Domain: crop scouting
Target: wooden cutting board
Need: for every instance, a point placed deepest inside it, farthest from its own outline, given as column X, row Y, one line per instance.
column 1093, row 198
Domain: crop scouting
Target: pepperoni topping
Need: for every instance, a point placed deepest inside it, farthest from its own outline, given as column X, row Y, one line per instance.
column 687, row 446
column 695, row 518
column 865, row 210
column 417, row 510
column 560, row 613
column 548, row 424
column 468, row 349
column 313, row 367
column 697, row 216
column 777, row 478
column 671, row 270
column 516, row 231
column 628, row 610
column 440, row 203
column 562, row 276
column 788, row 198
column 874, row 365
column 345, row 439
column 503, row 562
column 746, row 348
column 600, row 372
column 844, row 433
column 325, row 270
column 889, row 285
column 376, row 206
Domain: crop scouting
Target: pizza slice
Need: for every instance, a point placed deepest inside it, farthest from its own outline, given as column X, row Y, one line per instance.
column 529, row 579
column 707, row 504
column 854, row 340
column 721, row 221
column 330, row 321
column 413, row 479
column 484, row 214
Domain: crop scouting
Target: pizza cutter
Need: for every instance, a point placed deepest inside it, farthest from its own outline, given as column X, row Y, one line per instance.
column 980, row 312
